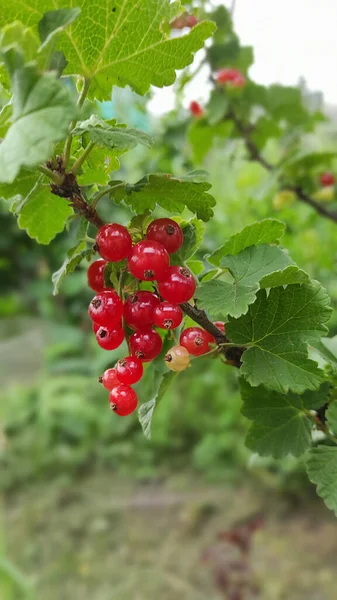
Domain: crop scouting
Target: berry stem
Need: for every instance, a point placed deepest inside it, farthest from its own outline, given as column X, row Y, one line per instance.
column 81, row 159
column 80, row 101
column 55, row 177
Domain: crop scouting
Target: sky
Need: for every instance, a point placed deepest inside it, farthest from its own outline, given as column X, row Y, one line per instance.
column 291, row 38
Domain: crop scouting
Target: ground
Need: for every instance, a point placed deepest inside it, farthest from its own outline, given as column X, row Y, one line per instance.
column 106, row 538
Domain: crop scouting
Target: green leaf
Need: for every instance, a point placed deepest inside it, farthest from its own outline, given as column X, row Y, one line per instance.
column 202, row 137
column 42, row 111
column 220, row 298
column 21, row 186
column 314, row 399
column 268, row 231
column 43, row 214
column 247, row 268
column 193, row 231
column 285, row 103
column 55, row 21
column 322, row 471
column 217, row 107
column 289, row 276
column 331, row 415
column 280, row 424
column 119, row 43
column 118, row 138
column 277, row 329
column 171, row 194
column 196, row 266
column 145, row 411
column 74, row 257
column 327, row 347
column 254, row 262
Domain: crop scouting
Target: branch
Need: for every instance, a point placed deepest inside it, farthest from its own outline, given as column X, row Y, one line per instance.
column 70, row 189
column 255, row 155
column 233, row 355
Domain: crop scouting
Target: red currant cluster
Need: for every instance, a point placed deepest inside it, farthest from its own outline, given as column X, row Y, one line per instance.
column 114, row 319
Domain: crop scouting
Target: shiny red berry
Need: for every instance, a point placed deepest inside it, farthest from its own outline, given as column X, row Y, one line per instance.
column 166, row 232
column 114, row 242
column 96, row 275
column 196, row 110
column 148, row 260
column 168, row 315
column 145, row 345
column 139, row 309
column 109, row 379
column 123, row 400
column 106, row 308
column 178, row 286
column 110, row 338
column 129, row 370
column 220, row 325
column 95, row 327
column 196, row 340
column 327, row 179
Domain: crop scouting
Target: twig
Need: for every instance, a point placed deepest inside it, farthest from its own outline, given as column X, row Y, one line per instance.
column 70, row 189
column 255, row 155
column 233, row 355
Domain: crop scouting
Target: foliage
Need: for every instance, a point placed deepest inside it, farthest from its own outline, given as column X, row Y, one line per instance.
column 57, row 157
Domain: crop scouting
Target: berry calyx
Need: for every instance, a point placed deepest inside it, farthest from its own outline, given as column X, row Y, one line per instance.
column 129, row 370
column 139, row 309
column 106, row 308
column 167, row 232
column 326, row 179
column 123, row 400
column 178, row 286
column 177, row 359
column 167, row 315
column 110, row 338
column 145, row 345
column 96, row 275
column 196, row 340
column 114, row 242
column 232, row 77
column 196, row 110
column 148, row 261
column 109, row 379
column 220, row 325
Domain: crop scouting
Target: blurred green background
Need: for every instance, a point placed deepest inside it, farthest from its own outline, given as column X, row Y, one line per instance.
column 92, row 508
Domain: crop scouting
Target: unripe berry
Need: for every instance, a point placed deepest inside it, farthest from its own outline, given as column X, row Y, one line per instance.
column 146, row 345
column 196, row 340
column 196, row 110
column 177, row 359
column 148, row 261
column 139, row 309
column 178, row 286
column 167, row 232
column 327, row 179
column 325, row 194
column 109, row 379
column 129, row 370
column 113, row 242
column 106, row 308
column 167, row 315
column 110, row 338
column 123, row 400
column 96, row 275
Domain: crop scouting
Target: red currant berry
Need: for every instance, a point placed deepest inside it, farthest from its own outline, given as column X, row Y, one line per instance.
column 220, row 325
column 148, row 260
column 139, row 309
column 146, row 345
column 196, row 340
column 196, row 110
column 177, row 359
column 109, row 379
column 114, row 242
column 95, row 327
column 166, row 232
column 129, row 370
column 110, row 338
column 106, row 308
column 191, row 21
column 327, row 179
column 96, row 275
column 178, row 286
column 123, row 400
column 168, row 315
